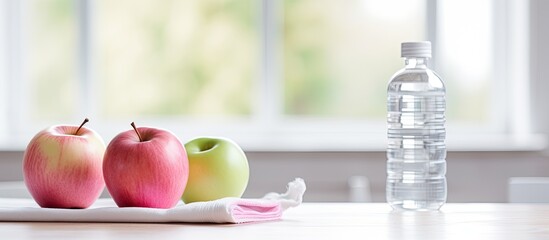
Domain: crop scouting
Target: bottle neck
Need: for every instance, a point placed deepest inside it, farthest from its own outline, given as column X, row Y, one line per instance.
column 416, row 62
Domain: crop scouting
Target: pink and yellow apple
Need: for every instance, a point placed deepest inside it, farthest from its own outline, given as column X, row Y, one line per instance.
column 62, row 167
column 146, row 167
column 218, row 169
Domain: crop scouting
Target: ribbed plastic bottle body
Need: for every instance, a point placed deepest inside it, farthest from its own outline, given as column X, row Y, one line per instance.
column 416, row 152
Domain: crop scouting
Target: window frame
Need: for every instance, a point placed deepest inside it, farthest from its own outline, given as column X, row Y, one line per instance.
column 268, row 129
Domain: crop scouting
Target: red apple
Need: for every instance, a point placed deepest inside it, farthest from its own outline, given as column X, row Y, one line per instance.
column 146, row 167
column 62, row 167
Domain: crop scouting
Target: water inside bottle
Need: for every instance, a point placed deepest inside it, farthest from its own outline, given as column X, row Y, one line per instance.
column 416, row 152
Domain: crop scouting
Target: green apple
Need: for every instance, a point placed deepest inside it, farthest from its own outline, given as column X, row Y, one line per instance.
column 218, row 168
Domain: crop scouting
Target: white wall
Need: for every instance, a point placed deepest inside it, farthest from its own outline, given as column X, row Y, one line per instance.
column 472, row 176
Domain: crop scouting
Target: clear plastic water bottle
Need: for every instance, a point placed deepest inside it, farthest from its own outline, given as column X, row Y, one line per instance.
column 416, row 152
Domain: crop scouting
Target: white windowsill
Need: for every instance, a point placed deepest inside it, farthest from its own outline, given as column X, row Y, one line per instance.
column 356, row 142
column 377, row 143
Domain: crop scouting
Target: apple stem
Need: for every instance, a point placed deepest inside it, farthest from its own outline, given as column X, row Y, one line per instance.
column 138, row 135
column 84, row 122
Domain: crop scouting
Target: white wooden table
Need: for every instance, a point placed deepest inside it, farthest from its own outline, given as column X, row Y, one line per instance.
column 323, row 221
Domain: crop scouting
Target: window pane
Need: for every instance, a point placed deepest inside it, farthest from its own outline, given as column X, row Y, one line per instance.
column 51, row 61
column 196, row 57
column 466, row 57
column 340, row 55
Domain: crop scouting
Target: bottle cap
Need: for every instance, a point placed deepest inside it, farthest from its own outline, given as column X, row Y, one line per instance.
column 416, row 49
